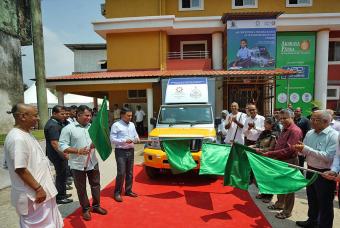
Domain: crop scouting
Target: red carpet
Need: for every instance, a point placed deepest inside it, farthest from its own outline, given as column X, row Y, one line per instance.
column 175, row 201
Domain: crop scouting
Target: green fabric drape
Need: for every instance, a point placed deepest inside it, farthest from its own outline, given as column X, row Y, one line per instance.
column 272, row 176
column 276, row 177
column 179, row 155
column 237, row 170
column 214, row 159
column 99, row 132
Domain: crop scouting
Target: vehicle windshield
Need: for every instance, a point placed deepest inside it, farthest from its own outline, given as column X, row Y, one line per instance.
column 185, row 115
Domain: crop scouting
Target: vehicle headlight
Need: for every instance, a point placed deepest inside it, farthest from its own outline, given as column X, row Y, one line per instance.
column 209, row 139
column 154, row 143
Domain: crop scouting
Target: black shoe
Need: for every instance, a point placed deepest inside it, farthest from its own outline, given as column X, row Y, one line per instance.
column 68, row 187
column 131, row 194
column 87, row 215
column 64, row 201
column 70, row 179
column 306, row 223
column 99, row 210
column 68, row 195
column 118, row 198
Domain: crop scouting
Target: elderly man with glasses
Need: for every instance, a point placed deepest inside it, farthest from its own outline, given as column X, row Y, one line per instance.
column 319, row 147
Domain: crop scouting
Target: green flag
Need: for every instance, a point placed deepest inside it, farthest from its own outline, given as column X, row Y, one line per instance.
column 237, row 170
column 179, row 155
column 214, row 158
column 272, row 176
column 276, row 177
column 99, row 132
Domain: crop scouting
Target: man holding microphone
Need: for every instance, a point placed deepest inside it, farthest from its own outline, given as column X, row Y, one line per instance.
column 124, row 136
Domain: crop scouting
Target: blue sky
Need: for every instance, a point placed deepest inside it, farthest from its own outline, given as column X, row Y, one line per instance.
column 64, row 22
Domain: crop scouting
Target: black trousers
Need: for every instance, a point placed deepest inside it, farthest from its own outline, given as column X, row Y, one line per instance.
column 125, row 160
column 320, row 200
column 60, row 166
column 140, row 128
column 79, row 178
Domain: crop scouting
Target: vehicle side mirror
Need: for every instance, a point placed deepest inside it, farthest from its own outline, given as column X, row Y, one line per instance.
column 218, row 121
column 153, row 121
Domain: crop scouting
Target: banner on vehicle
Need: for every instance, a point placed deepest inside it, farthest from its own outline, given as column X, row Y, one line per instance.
column 187, row 90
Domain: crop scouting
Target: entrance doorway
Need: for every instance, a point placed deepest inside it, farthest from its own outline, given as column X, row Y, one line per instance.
column 260, row 94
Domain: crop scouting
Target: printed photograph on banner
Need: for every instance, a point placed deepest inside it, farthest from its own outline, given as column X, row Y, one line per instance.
column 251, row 44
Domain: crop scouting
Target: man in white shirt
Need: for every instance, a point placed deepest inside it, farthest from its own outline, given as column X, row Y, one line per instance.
column 234, row 125
column 33, row 193
column 139, row 115
column 123, row 135
column 221, row 131
column 253, row 126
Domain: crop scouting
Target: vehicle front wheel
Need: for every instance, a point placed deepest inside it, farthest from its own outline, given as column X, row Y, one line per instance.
column 151, row 172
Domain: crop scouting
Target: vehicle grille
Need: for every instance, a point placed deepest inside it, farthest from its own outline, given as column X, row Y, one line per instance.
column 195, row 145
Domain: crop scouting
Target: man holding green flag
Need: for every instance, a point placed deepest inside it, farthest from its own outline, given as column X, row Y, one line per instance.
column 99, row 132
column 241, row 162
column 319, row 147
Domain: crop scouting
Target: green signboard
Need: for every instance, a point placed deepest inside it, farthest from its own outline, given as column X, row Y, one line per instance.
column 296, row 51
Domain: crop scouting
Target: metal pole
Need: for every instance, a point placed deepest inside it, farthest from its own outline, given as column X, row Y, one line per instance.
column 302, row 168
column 39, row 61
column 287, row 76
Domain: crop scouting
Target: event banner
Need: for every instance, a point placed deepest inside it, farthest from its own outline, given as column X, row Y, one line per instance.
column 296, row 51
column 251, row 44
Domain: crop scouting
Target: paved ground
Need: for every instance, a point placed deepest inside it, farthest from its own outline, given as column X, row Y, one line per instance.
column 9, row 218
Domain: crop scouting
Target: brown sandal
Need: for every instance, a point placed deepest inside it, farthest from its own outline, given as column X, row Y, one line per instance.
column 266, row 200
column 282, row 215
column 259, row 196
column 273, row 207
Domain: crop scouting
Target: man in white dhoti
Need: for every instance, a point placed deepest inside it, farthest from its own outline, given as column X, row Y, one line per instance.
column 33, row 191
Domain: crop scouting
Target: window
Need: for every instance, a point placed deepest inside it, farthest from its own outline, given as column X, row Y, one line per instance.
column 194, row 49
column 184, row 5
column 299, row 3
column 136, row 94
column 333, row 92
column 334, row 51
column 240, row 4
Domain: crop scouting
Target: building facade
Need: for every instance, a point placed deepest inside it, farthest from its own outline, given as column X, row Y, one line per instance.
column 148, row 41
column 15, row 30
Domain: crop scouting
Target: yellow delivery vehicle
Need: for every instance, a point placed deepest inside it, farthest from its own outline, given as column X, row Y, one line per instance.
column 188, row 116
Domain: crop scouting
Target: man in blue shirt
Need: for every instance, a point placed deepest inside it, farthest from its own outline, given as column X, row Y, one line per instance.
column 319, row 147
column 243, row 55
column 75, row 141
column 124, row 135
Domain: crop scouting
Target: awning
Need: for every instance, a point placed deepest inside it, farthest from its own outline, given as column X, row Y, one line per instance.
column 227, row 74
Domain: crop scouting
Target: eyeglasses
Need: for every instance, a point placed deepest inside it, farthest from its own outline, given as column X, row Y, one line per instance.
column 315, row 119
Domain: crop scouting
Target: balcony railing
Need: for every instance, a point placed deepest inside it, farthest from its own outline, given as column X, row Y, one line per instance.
column 189, row 55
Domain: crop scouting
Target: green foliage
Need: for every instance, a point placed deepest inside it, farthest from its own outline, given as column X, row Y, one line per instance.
column 38, row 134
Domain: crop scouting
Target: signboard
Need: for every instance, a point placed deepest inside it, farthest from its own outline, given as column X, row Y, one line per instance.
column 187, row 90
column 296, row 51
column 251, row 44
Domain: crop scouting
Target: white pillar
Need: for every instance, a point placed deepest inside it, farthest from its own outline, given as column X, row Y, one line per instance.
column 321, row 67
column 60, row 98
column 217, row 51
column 219, row 96
column 149, row 101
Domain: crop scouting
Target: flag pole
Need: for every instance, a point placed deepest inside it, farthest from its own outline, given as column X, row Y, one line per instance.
column 302, row 168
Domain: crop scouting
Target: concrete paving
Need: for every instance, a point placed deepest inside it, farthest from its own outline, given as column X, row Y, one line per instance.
column 9, row 218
